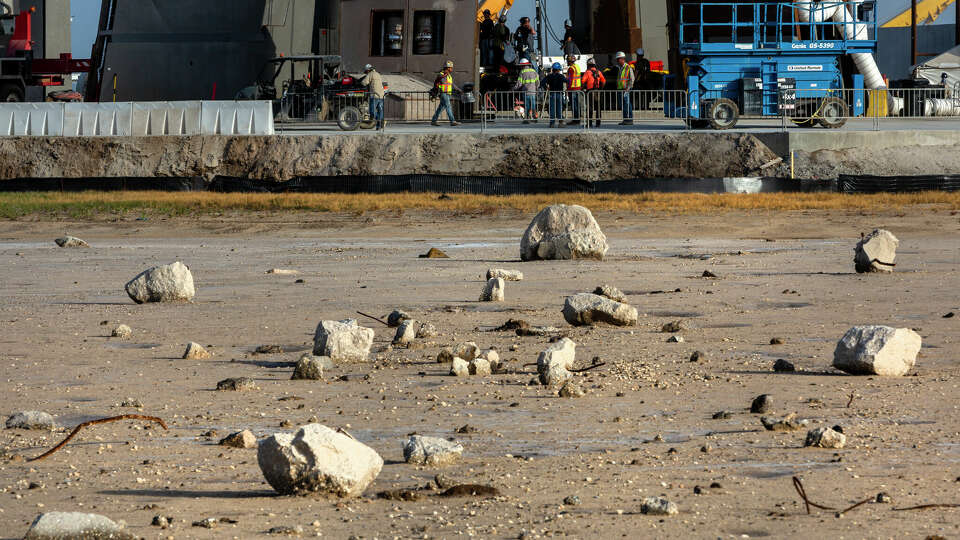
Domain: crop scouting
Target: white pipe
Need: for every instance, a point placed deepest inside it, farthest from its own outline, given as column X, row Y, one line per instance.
column 819, row 12
column 941, row 107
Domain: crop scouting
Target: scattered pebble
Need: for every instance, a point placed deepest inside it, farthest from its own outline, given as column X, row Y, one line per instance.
column 237, row 384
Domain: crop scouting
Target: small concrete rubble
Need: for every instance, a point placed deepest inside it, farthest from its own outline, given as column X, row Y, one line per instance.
column 876, row 252
column 459, row 367
column 445, row 355
column 76, row 526
column 38, row 420
column 571, row 389
column 877, row 350
column 506, row 275
column 318, row 459
column 588, row 309
column 493, row 357
column 122, row 331
column 431, row 451
column 309, row 367
column 825, row 437
column 556, row 361
column 396, row 317
column 426, row 331
column 493, row 290
column 479, row 366
column 237, row 384
column 240, row 439
column 467, row 350
column 195, row 351
column 169, row 283
column 71, row 242
column 610, row 292
column 761, row 404
column 406, row 332
column 563, row 232
column 787, row 423
column 658, row 506
column 343, row 341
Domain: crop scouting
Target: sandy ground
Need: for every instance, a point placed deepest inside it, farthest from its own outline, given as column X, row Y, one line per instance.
column 779, row 275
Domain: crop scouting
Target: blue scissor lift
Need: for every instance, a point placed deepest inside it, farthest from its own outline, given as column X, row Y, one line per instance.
column 759, row 59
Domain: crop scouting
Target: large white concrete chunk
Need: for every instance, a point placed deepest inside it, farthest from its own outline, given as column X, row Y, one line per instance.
column 169, row 283
column 317, row 459
column 587, row 309
column 432, row 451
column 75, row 525
column 824, row 437
column 343, row 341
column 560, row 231
column 31, row 420
column 406, row 332
column 555, row 361
column 876, row 252
column 877, row 350
column 493, row 290
column 70, row 242
column 506, row 275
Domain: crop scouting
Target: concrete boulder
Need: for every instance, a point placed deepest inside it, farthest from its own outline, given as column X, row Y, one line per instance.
column 31, row 420
column 195, row 351
column 877, row 350
column 76, row 525
column 556, row 361
column 71, row 242
column 310, row 367
column 824, row 437
column 459, row 367
column 563, row 232
column 492, row 291
column 343, row 341
column 169, row 283
column 658, row 506
column 479, row 366
column 467, row 350
column 431, row 451
column 240, row 439
column 506, row 275
column 588, row 309
column 406, row 332
column 317, row 459
column 610, row 292
column 876, row 252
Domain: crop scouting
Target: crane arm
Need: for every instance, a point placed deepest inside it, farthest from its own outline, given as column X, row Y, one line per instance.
column 927, row 12
column 496, row 7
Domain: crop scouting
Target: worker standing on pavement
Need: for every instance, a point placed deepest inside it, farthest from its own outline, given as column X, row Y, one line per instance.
column 528, row 82
column 641, row 69
column 593, row 82
column 573, row 85
column 445, row 87
column 625, row 79
column 556, row 85
column 374, row 83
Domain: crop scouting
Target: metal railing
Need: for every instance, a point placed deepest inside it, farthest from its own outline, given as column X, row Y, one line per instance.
column 542, row 108
column 643, row 108
column 317, row 107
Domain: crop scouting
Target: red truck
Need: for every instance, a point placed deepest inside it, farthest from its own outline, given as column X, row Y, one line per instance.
column 21, row 75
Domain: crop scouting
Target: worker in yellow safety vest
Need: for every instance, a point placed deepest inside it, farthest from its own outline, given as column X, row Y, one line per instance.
column 625, row 79
column 573, row 87
column 528, row 82
column 444, row 87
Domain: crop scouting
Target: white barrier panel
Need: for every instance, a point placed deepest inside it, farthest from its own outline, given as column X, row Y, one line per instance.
column 22, row 119
column 237, row 118
column 167, row 118
column 96, row 119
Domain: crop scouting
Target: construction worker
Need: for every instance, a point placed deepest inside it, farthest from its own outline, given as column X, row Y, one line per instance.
column 374, row 83
column 501, row 37
column 556, row 84
column 641, row 69
column 573, row 85
column 486, row 39
column 445, row 87
column 569, row 43
column 625, row 79
column 593, row 82
column 528, row 83
column 524, row 39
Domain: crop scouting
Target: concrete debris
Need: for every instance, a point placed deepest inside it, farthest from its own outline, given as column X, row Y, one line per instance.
column 672, row 326
column 268, row 349
column 698, row 356
column 122, row 331
column 169, row 283
column 506, row 275
column 343, row 341
column 588, row 309
column 283, row 272
column 459, row 367
column 571, row 389
column 445, row 355
column 554, row 363
column 431, row 451
column 195, row 351
column 658, row 506
column 787, row 423
column 71, row 242
column 876, row 252
column 237, row 384
column 877, row 350
column 610, row 292
column 427, row 330
column 434, row 253
column 492, row 291
column 76, row 525
column 783, row 366
column 468, row 350
column 571, row 500
column 479, row 366
column 163, row 522
column 825, row 437
column 31, row 420
column 675, row 339
column 883, row 498
column 240, row 439
column 538, row 331
column 563, row 232
column 317, row 459
column 493, row 357
column 777, row 341
column 761, row 404
column 708, row 274
column 311, row 367
column 286, row 530
column 132, row 403
column 406, row 332
column 396, row 317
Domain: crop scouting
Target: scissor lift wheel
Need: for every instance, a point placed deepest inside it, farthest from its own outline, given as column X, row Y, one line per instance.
column 723, row 114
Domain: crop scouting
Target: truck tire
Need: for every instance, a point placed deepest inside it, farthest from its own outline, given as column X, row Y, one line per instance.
column 11, row 93
column 833, row 113
column 723, row 114
column 349, row 118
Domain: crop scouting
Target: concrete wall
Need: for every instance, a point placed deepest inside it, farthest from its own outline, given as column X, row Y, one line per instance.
column 653, row 22
column 459, row 44
column 893, row 54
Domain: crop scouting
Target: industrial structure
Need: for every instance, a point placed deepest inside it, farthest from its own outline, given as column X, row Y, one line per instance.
column 49, row 34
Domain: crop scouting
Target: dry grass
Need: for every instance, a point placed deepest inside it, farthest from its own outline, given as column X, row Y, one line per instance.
column 92, row 203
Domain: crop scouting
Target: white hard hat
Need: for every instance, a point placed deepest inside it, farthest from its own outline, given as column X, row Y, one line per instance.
column 367, row 67
column 640, row 51
column 621, row 55
column 524, row 62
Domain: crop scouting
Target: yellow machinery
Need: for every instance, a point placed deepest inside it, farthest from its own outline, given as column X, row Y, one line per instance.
column 496, row 7
column 927, row 12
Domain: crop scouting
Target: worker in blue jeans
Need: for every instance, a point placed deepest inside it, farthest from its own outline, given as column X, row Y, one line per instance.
column 374, row 83
column 556, row 84
column 625, row 80
column 528, row 82
column 444, row 85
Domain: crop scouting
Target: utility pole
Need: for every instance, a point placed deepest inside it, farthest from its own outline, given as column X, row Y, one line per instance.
column 956, row 23
column 913, row 32
column 539, row 16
